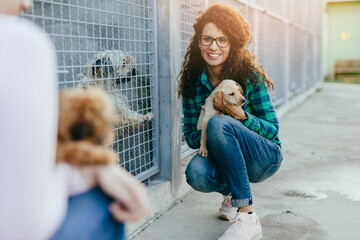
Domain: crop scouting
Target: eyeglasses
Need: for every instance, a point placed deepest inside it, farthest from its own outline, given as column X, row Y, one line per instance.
column 222, row 42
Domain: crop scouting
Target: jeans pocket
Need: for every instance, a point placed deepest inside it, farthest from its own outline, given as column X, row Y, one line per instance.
column 271, row 170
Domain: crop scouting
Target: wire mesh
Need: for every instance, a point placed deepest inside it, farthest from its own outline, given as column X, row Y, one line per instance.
column 260, row 37
column 278, row 7
column 309, row 61
column 287, row 40
column 274, row 54
column 299, row 13
column 296, row 60
column 260, row 3
column 189, row 11
column 109, row 44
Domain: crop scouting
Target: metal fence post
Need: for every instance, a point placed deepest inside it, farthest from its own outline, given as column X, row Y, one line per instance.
column 169, row 59
column 176, row 108
column 287, row 63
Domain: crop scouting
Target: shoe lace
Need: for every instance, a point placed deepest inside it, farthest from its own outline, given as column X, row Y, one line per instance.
column 238, row 223
column 227, row 201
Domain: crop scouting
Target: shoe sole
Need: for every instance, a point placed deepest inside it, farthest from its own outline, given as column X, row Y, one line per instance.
column 224, row 217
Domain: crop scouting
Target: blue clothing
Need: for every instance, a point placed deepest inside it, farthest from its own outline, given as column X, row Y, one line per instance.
column 88, row 218
column 237, row 156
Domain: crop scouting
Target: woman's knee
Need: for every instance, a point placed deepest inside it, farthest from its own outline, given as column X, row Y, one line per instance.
column 220, row 128
column 260, row 171
column 260, row 176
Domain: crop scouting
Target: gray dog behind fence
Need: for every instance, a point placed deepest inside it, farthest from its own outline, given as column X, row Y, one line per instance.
column 114, row 71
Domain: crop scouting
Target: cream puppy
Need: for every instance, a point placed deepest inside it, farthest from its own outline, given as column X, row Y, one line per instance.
column 229, row 92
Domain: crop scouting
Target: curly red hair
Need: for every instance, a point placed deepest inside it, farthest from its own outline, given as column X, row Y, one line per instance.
column 240, row 64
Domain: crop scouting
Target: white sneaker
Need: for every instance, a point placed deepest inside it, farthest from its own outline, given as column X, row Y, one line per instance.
column 227, row 212
column 245, row 226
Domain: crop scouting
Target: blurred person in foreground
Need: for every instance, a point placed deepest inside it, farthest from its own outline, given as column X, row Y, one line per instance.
column 243, row 141
column 38, row 199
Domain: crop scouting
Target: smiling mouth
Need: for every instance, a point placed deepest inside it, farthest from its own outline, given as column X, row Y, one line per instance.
column 214, row 55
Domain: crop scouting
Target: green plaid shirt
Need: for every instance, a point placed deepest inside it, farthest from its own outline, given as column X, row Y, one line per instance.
column 261, row 113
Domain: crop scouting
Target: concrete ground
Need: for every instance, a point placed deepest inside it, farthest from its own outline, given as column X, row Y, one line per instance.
column 316, row 193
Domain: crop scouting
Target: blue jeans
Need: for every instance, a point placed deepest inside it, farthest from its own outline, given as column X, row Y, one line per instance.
column 237, row 156
column 88, row 218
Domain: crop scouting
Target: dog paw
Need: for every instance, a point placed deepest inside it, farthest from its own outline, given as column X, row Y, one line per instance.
column 203, row 151
column 148, row 116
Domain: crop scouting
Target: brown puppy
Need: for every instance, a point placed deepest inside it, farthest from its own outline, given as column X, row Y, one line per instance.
column 228, row 92
column 86, row 119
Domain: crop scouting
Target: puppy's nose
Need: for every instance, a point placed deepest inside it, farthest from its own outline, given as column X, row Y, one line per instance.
column 243, row 100
column 133, row 72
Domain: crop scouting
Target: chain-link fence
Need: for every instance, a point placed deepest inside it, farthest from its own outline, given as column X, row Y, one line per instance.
column 287, row 41
column 110, row 44
column 189, row 11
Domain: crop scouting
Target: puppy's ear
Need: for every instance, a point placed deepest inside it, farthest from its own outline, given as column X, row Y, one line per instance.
column 128, row 59
column 241, row 90
column 218, row 100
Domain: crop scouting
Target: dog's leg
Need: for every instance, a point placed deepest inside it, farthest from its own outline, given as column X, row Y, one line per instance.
column 203, row 149
column 134, row 116
column 132, row 121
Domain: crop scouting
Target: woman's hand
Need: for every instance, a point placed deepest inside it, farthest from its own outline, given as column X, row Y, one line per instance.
column 235, row 111
column 229, row 109
column 131, row 200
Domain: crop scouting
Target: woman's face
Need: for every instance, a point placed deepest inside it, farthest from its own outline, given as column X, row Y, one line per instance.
column 14, row 7
column 214, row 55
